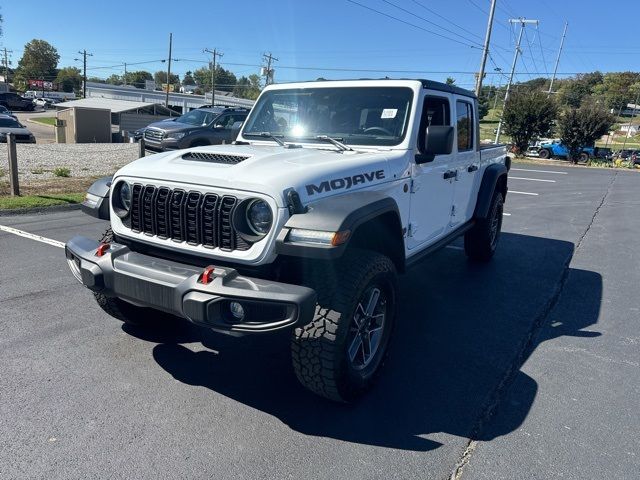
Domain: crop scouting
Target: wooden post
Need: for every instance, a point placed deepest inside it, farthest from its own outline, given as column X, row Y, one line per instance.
column 13, row 164
column 141, row 147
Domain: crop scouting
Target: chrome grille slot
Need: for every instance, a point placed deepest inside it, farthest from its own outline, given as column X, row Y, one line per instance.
column 193, row 217
column 153, row 135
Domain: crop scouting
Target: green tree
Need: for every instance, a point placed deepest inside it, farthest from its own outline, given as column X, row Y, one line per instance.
column 581, row 127
column 138, row 78
column 114, row 79
column 615, row 88
column 450, row 81
column 573, row 91
column 188, row 78
column 528, row 115
column 248, row 87
column 225, row 80
column 69, row 79
column 39, row 60
column 161, row 77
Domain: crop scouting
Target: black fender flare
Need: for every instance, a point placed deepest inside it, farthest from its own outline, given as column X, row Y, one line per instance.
column 337, row 213
column 97, row 205
column 495, row 176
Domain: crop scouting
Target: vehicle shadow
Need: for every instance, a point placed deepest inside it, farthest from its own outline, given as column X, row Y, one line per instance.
column 462, row 328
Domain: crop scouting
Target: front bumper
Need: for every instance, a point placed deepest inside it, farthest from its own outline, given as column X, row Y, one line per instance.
column 178, row 289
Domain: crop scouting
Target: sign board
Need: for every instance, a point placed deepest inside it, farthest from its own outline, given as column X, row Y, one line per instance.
column 40, row 84
column 149, row 85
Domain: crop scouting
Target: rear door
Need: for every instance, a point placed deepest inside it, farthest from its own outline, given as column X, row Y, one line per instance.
column 433, row 182
column 466, row 162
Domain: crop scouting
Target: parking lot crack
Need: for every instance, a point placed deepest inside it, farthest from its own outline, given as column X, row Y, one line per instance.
column 526, row 348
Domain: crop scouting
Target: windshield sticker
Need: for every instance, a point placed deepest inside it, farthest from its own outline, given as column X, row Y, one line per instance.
column 389, row 113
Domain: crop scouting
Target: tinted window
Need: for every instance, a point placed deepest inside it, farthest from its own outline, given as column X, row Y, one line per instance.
column 9, row 123
column 227, row 121
column 464, row 124
column 436, row 112
column 197, row 117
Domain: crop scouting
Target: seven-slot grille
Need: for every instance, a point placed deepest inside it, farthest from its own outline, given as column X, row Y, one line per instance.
column 152, row 134
column 186, row 216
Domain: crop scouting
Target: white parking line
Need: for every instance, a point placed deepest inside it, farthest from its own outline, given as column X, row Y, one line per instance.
column 523, row 193
column 532, row 179
column 32, row 236
column 506, row 214
column 538, row 171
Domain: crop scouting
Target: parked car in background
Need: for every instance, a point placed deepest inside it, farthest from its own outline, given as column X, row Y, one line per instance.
column 203, row 126
column 626, row 153
column 13, row 101
column 5, row 111
column 603, row 153
column 558, row 150
column 43, row 102
column 9, row 124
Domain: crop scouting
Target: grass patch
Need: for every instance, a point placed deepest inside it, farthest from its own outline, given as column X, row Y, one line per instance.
column 35, row 201
column 37, row 171
column 51, row 121
column 62, row 172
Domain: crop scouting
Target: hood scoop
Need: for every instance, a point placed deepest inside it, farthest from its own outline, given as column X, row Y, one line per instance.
column 214, row 157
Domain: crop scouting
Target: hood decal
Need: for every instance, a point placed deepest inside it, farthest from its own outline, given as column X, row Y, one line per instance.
column 344, row 182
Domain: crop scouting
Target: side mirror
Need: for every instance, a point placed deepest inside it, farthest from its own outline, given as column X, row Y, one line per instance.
column 235, row 130
column 438, row 140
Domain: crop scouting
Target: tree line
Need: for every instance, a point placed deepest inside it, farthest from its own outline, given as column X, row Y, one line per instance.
column 40, row 62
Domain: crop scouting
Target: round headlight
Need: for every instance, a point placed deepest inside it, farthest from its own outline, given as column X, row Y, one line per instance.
column 125, row 196
column 259, row 217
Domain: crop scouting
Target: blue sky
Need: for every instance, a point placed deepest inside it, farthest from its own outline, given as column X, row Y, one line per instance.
column 328, row 38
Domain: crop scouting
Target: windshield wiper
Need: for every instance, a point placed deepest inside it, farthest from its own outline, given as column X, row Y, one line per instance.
column 266, row 135
column 335, row 141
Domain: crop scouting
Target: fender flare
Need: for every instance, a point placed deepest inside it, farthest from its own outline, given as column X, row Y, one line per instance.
column 96, row 203
column 490, row 181
column 337, row 213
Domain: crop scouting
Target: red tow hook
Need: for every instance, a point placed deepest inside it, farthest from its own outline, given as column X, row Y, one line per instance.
column 102, row 249
column 207, row 275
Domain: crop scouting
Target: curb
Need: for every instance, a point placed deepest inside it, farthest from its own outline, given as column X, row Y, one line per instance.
column 39, row 210
column 39, row 123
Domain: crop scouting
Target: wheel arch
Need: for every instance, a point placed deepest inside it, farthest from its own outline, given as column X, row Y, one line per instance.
column 494, row 179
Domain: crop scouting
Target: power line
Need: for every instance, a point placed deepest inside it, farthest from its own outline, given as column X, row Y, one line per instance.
column 544, row 61
column 411, row 24
column 445, row 19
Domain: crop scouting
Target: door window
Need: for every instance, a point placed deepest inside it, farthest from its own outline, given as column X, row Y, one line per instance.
column 435, row 112
column 464, row 124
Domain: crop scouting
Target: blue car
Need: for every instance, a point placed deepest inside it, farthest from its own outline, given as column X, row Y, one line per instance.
column 558, row 150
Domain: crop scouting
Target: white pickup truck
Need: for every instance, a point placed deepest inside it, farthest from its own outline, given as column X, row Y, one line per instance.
column 331, row 189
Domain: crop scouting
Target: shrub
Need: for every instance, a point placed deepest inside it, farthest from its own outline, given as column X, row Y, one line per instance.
column 62, row 172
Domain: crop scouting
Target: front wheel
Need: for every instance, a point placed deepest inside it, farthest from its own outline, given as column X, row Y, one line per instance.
column 544, row 153
column 339, row 354
column 481, row 241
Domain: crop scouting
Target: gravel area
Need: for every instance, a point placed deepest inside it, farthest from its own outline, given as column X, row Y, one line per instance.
column 37, row 162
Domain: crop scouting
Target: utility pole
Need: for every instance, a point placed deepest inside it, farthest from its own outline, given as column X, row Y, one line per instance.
column 166, row 101
column 214, row 54
column 485, row 50
column 522, row 23
column 6, row 66
column 124, row 78
column 555, row 69
column 84, row 75
column 268, row 71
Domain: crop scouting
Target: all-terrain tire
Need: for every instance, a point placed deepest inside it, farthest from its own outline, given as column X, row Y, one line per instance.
column 125, row 311
column 544, row 153
column 481, row 241
column 320, row 349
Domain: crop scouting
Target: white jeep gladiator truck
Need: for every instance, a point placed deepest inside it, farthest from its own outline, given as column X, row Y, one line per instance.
column 331, row 189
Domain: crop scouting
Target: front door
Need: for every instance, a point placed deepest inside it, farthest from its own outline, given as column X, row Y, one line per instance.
column 433, row 182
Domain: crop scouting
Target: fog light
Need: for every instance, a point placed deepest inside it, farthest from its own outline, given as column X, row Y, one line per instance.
column 237, row 310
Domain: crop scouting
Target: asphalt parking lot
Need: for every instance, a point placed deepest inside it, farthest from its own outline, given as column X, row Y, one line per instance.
column 523, row 368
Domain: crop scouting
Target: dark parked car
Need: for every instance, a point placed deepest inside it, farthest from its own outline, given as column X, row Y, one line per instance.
column 603, row 153
column 5, row 111
column 11, row 125
column 626, row 153
column 203, row 126
column 13, row 101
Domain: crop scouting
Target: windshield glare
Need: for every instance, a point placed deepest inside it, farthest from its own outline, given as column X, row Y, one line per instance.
column 354, row 115
column 197, row 117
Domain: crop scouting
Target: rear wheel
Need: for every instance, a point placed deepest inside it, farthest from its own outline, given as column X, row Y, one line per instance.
column 481, row 241
column 583, row 157
column 339, row 354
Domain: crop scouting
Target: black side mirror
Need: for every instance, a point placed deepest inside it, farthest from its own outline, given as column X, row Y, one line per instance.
column 438, row 140
column 235, row 130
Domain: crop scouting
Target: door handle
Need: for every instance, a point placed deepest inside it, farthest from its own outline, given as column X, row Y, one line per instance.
column 450, row 174
column 472, row 168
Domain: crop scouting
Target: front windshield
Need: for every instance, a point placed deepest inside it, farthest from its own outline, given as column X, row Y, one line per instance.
column 9, row 123
column 197, row 117
column 353, row 115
